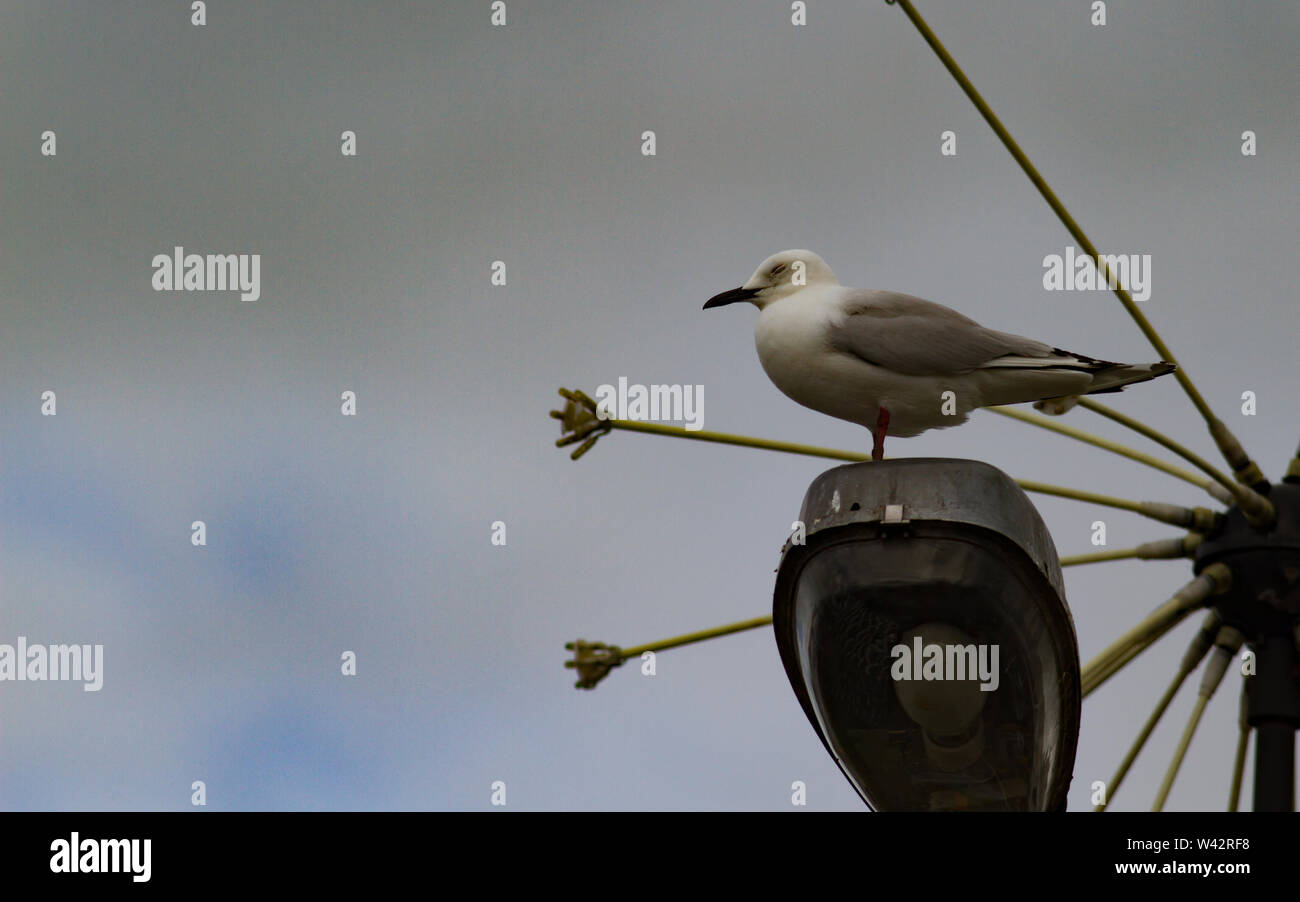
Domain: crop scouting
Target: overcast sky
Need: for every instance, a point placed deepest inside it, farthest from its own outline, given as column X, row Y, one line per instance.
column 522, row 143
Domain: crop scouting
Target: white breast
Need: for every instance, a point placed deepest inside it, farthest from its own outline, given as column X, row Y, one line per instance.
column 791, row 337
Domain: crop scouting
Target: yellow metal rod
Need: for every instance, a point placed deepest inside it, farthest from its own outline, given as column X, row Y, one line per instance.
column 1116, row 655
column 1218, row 492
column 742, row 440
column 1199, row 519
column 1113, row 786
column 1160, row 438
column 1255, row 506
column 700, row 636
column 1174, row 766
column 1214, row 579
column 1227, row 642
column 1097, row 557
column 595, row 660
column 1101, row 669
column 1161, row 549
column 1202, row 642
column 1228, row 444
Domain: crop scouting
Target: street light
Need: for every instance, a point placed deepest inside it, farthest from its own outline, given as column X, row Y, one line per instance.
column 923, row 628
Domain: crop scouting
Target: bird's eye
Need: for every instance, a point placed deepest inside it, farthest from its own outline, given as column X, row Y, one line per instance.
column 778, row 269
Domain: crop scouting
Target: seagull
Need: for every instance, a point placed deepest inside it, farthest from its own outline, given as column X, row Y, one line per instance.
column 898, row 364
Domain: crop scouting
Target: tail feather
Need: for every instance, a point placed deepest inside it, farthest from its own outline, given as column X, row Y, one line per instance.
column 1107, row 377
column 1115, row 376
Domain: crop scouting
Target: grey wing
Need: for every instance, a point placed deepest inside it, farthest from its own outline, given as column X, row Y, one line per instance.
column 920, row 338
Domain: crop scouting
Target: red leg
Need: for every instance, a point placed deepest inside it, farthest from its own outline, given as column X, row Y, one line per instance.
column 882, row 427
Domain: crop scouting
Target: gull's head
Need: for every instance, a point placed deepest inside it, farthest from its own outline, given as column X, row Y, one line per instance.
column 777, row 277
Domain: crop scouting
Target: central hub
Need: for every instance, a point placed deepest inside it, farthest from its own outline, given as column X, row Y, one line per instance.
column 1265, row 596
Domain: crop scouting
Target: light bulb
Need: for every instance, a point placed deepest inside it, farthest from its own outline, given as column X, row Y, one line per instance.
column 947, row 709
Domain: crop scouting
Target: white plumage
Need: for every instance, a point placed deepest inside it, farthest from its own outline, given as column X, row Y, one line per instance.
column 885, row 360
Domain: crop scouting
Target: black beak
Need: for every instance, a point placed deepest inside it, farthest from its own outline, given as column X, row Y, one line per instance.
column 730, row 297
